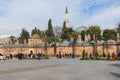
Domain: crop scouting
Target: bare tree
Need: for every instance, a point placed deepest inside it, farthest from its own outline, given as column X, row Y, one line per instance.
column 8, row 50
column 57, row 31
column 21, row 48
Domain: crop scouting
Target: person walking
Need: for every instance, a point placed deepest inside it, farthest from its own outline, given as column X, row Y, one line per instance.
column 113, row 56
column 11, row 56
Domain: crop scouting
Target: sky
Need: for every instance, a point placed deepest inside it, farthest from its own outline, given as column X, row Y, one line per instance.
column 18, row 14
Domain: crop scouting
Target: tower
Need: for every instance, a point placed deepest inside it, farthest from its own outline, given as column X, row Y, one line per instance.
column 66, row 17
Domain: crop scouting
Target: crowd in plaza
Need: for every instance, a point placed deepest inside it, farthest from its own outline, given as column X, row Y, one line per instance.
column 66, row 55
column 40, row 55
column 21, row 56
column 90, row 56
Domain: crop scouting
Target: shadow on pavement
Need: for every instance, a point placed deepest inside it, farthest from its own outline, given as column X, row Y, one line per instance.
column 115, row 74
column 116, row 65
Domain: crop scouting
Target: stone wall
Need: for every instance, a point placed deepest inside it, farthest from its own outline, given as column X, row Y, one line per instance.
column 62, row 49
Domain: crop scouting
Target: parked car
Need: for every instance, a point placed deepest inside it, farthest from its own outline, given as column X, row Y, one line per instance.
column 1, row 56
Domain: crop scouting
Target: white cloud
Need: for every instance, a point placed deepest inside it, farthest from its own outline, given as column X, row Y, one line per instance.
column 17, row 14
column 106, row 18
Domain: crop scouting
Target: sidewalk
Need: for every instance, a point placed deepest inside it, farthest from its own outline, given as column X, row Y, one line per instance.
column 59, row 69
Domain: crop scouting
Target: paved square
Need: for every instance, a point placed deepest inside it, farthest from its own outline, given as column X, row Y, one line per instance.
column 59, row 69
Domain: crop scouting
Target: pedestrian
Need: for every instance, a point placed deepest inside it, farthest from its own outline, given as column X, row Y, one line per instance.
column 113, row 56
column 86, row 55
column 108, row 56
column 8, row 56
column 39, row 55
column 104, row 55
column 11, row 56
column 73, row 56
column 60, row 55
column 90, row 55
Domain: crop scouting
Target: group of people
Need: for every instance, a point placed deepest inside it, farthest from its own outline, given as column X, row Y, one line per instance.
column 30, row 55
column 39, row 55
column 60, row 55
column 8, row 56
column 109, row 56
column 112, row 56
column 90, row 55
column 20, row 56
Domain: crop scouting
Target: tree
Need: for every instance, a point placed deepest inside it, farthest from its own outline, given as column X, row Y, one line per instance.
column 95, row 34
column 83, row 55
column 83, row 32
column 109, row 34
column 57, row 31
column 64, row 26
column 94, row 30
column 50, row 37
column 12, row 39
column 49, row 31
column 21, row 48
column 36, row 31
column 96, row 55
column 67, row 33
column 74, row 35
column 64, row 35
column 8, row 49
column 24, row 36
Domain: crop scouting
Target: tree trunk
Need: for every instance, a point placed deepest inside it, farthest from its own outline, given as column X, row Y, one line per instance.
column 74, row 46
column 46, row 48
column 117, row 48
column 55, row 50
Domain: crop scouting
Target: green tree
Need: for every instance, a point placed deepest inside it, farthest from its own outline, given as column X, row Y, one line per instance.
column 94, row 30
column 74, row 35
column 95, row 34
column 50, row 37
column 36, row 31
column 49, row 31
column 64, row 26
column 12, row 39
column 67, row 34
column 109, row 34
column 82, row 33
column 57, row 31
column 64, row 34
column 83, row 55
column 24, row 36
column 96, row 55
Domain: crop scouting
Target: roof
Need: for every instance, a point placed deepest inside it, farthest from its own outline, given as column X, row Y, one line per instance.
column 5, row 36
column 111, row 41
column 65, row 43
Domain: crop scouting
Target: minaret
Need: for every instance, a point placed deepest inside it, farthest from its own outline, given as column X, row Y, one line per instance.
column 66, row 18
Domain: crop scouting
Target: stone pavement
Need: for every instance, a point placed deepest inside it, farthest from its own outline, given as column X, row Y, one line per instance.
column 59, row 69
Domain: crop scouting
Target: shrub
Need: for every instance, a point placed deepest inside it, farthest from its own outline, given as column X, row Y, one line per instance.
column 96, row 56
column 83, row 55
column 46, row 57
